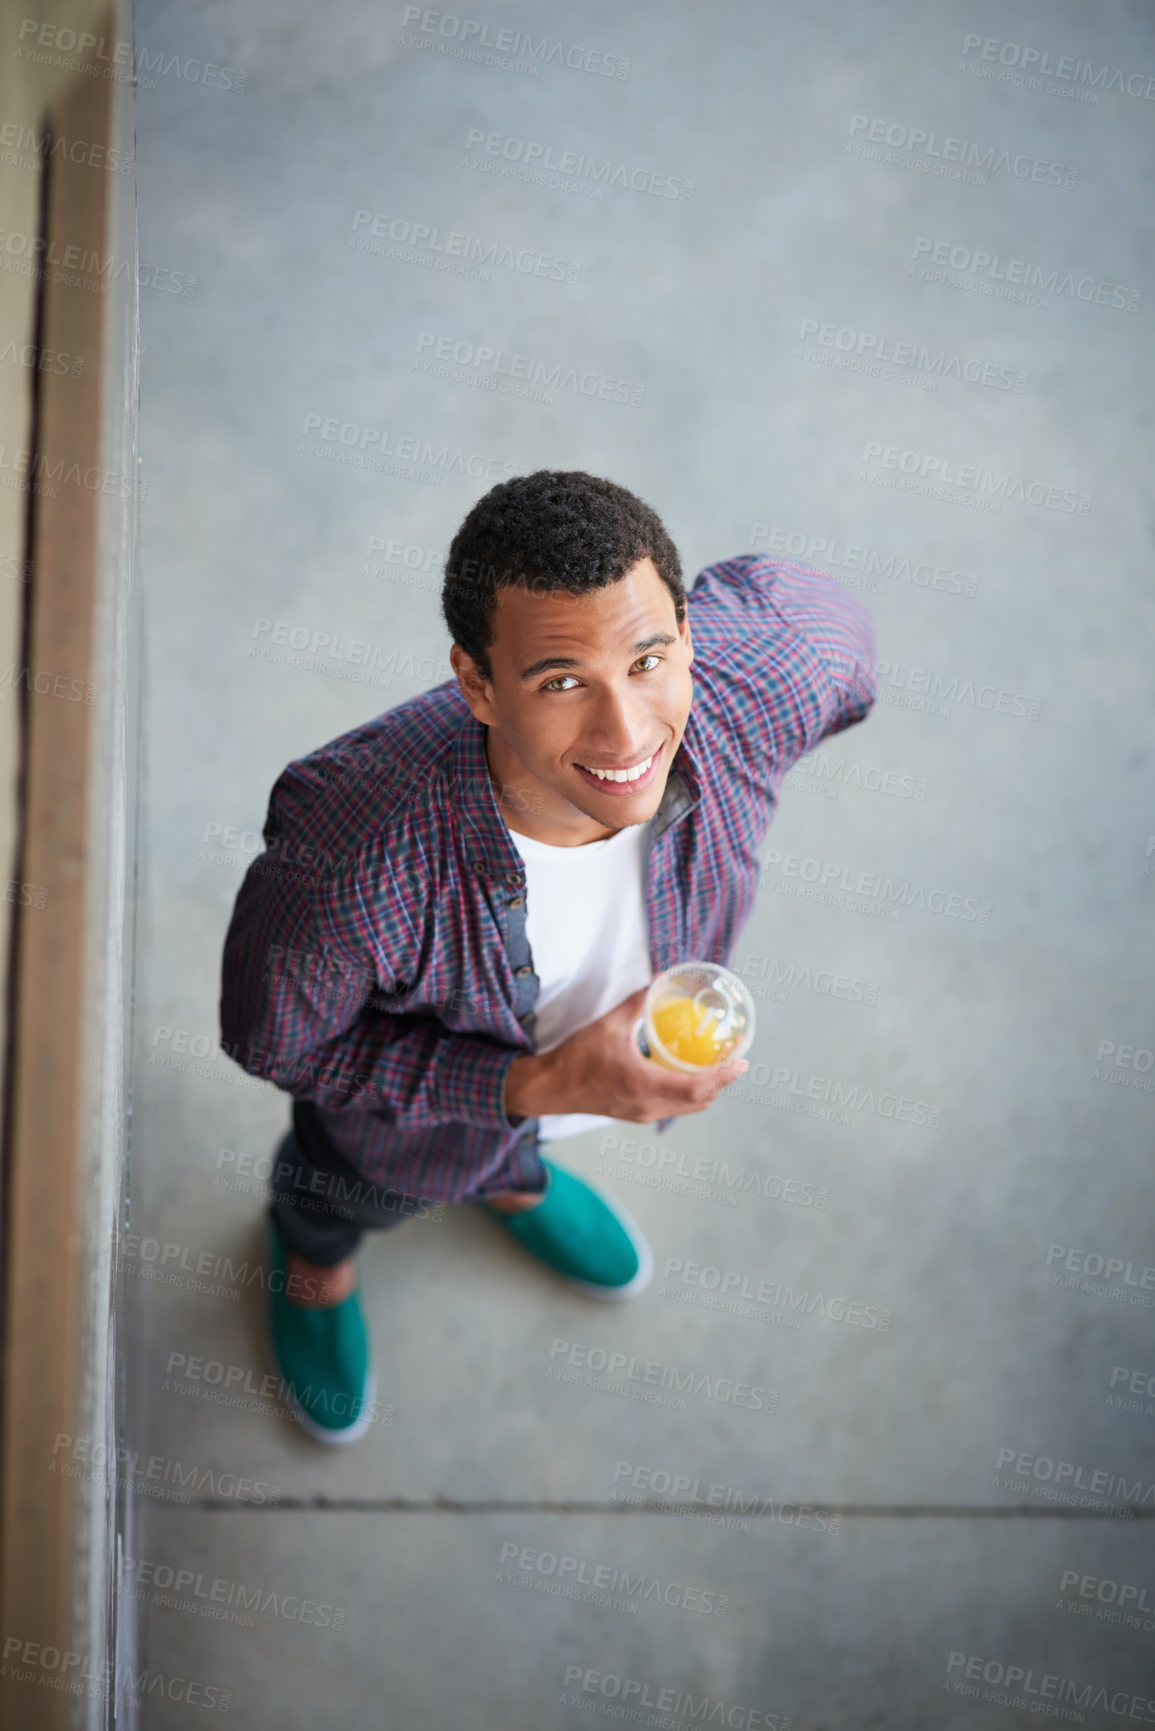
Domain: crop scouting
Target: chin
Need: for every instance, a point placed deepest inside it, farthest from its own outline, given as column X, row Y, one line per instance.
column 623, row 813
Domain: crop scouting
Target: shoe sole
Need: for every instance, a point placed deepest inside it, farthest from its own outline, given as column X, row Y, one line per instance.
column 335, row 1438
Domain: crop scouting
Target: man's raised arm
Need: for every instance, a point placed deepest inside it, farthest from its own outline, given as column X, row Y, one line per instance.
column 805, row 646
column 841, row 630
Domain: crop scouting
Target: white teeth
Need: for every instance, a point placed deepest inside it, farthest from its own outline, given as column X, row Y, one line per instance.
column 622, row 774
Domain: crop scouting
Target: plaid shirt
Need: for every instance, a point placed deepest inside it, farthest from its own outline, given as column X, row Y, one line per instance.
column 377, row 962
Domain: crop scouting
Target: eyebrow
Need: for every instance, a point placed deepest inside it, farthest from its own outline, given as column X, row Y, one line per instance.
column 643, row 643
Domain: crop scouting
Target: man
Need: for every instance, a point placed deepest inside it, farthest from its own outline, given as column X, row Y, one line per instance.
column 444, row 949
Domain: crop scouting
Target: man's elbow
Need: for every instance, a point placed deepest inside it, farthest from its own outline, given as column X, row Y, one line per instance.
column 856, row 698
column 863, row 693
column 252, row 1058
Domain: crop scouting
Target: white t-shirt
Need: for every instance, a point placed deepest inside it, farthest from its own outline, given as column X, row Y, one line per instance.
column 585, row 918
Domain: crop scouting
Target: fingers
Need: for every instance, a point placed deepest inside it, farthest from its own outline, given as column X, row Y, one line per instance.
column 674, row 1095
column 715, row 1080
column 703, row 1090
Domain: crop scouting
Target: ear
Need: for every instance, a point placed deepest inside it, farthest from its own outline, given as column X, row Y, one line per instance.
column 477, row 692
column 687, row 639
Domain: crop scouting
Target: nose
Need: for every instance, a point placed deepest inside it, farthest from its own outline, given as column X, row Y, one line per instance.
column 621, row 728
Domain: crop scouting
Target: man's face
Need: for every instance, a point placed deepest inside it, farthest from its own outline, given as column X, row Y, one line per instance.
column 599, row 681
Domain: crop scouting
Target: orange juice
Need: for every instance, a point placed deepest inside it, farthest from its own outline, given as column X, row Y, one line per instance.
column 689, row 1031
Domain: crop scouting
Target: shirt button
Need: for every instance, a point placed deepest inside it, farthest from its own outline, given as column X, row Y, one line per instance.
column 514, row 881
column 517, row 902
column 521, row 972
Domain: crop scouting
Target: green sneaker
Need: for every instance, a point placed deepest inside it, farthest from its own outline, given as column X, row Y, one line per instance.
column 584, row 1235
column 322, row 1355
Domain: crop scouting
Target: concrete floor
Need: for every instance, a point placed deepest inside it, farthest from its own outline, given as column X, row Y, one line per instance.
column 907, row 1507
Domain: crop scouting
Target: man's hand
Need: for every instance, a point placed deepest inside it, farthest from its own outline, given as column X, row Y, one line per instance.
column 599, row 1069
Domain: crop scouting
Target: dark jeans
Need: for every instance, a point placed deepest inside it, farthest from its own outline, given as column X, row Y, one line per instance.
column 321, row 1204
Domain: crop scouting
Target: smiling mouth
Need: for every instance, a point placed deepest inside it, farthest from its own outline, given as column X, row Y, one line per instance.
column 630, row 773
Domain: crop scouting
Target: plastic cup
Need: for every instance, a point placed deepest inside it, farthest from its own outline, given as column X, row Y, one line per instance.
column 697, row 1016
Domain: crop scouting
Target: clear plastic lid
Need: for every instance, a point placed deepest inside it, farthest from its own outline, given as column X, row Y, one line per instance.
column 698, row 1015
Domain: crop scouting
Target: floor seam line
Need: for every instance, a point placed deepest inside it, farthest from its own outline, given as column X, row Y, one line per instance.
column 848, row 1511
